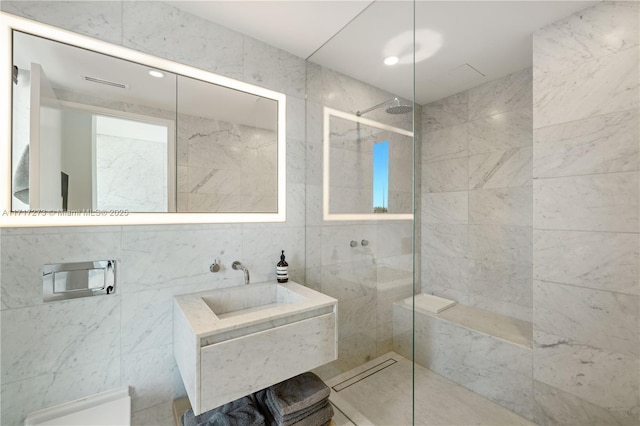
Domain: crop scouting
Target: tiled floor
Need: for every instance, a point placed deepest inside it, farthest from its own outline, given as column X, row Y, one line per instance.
column 380, row 393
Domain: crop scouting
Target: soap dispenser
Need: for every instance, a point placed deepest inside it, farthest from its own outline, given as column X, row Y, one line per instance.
column 282, row 270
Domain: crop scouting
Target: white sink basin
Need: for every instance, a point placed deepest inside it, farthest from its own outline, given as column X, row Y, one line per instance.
column 234, row 341
column 248, row 298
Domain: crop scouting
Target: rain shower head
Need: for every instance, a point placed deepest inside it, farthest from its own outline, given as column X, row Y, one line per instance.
column 395, row 107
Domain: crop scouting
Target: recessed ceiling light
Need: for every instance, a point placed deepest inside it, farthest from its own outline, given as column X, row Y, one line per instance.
column 391, row 60
column 156, row 74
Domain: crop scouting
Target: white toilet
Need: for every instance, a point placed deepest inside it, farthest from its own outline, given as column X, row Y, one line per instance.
column 107, row 408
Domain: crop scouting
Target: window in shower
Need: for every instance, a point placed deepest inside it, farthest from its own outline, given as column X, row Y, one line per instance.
column 381, row 177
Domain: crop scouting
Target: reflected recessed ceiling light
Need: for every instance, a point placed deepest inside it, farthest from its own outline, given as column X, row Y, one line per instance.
column 156, row 74
column 391, row 60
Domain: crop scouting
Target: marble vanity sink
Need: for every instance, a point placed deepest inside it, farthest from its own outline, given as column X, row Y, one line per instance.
column 250, row 298
column 234, row 341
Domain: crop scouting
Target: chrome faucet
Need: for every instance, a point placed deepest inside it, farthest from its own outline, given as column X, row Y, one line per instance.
column 240, row 267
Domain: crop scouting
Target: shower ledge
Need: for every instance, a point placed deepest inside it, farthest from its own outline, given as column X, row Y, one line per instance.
column 508, row 329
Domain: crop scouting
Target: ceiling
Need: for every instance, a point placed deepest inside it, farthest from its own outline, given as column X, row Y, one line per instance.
column 459, row 44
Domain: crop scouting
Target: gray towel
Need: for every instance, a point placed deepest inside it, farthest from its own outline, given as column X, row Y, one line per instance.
column 298, row 415
column 317, row 417
column 241, row 412
column 318, row 414
column 297, row 393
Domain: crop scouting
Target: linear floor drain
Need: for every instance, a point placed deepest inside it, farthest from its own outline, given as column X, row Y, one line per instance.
column 358, row 377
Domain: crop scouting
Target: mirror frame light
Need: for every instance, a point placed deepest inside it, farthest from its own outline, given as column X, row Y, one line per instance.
column 9, row 23
column 326, row 146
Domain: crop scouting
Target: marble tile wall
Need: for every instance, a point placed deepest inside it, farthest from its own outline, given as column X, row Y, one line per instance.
column 492, row 367
column 476, row 196
column 366, row 280
column 225, row 167
column 56, row 352
column 586, row 288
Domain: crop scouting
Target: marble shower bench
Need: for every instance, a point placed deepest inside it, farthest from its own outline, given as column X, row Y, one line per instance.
column 488, row 353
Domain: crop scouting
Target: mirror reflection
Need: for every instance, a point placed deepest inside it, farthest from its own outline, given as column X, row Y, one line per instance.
column 367, row 172
column 95, row 132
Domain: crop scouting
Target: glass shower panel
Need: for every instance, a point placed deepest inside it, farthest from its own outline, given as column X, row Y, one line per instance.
column 360, row 235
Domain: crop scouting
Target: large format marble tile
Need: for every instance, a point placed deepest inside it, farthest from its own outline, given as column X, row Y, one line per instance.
column 510, row 93
column 587, row 89
column 445, row 277
column 158, row 415
column 275, row 69
column 605, row 202
column 588, row 34
column 210, row 46
column 445, row 176
column 59, row 336
column 336, row 247
column 445, row 240
column 357, row 333
column 501, row 169
column 599, row 319
column 499, row 243
column 397, row 237
column 445, row 144
column 502, row 287
column 154, row 377
column 495, row 369
column 53, row 388
column 445, row 207
column 446, row 112
column 602, row 144
column 553, row 406
column 98, row 19
column 598, row 260
column 261, row 247
column 499, row 132
column 601, row 377
column 388, row 397
column 154, row 259
column 503, row 206
column 22, row 273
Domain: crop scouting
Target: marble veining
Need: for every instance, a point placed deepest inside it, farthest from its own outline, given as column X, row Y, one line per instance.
column 604, row 202
column 499, row 132
column 211, row 47
column 512, row 92
column 56, row 387
column 556, row 407
column 446, row 175
column 101, row 19
column 81, row 331
column 445, row 207
column 599, row 376
column 501, row 169
column 589, row 34
column 502, row 206
column 447, row 112
column 444, row 144
column 595, row 318
column 601, row 144
column 597, row 260
column 596, row 87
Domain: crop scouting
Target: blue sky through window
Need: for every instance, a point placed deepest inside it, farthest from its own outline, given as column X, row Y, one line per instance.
column 381, row 174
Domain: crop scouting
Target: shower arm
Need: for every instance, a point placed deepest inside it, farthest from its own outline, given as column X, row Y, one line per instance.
column 360, row 113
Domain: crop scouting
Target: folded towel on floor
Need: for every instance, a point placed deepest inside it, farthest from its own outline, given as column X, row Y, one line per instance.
column 297, row 393
column 241, row 412
column 318, row 414
column 294, row 417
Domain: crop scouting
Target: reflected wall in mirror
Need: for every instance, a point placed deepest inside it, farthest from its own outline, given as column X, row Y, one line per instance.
column 94, row 132
column 227, row 149
column 365, row 172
